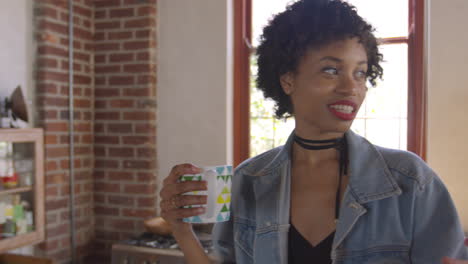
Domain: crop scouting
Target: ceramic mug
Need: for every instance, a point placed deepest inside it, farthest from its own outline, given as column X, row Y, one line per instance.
column 219, row 179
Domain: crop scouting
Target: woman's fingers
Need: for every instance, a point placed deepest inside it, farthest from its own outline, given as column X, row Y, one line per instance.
column 183, row 200
column 178, row 214
column 179, row 170
column 177, row 188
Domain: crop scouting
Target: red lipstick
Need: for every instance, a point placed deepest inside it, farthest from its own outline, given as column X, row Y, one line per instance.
column 344, row 109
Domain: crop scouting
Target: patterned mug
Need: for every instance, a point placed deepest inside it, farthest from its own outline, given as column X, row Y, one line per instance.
column 219, row 179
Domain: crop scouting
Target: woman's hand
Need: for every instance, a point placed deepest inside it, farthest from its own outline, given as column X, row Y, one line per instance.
column 172, row 199
column 447, row 260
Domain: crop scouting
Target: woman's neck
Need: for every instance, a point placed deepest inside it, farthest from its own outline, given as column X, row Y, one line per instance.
column 314, row 157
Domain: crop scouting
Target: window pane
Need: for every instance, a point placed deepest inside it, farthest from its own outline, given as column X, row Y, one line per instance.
column 388, row 101
column 389, row 17
column 262, row 11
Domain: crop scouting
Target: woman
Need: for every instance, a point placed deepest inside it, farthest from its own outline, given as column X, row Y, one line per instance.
column 327, row 194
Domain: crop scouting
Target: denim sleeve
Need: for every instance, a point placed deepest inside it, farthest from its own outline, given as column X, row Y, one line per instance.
column 223, row 242
column 437, row 231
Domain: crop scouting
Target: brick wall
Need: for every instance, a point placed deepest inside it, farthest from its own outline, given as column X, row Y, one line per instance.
column 125, row 121
column 115, row 122
column 52, row 64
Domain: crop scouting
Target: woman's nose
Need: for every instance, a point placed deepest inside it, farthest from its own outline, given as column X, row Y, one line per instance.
column 348, row 86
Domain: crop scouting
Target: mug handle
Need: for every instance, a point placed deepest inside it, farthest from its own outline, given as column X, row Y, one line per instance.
column 210, row 177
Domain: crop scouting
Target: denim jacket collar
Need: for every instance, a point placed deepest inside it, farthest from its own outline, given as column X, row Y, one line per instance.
column 364, row 185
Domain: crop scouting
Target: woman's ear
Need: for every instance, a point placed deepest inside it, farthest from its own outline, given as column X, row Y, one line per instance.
column 287, row 82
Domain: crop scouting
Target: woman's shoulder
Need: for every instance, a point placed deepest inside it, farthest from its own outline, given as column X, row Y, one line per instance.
column 263, row 163
column 407, row 164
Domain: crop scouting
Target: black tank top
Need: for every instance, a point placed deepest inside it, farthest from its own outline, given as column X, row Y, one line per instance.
column 302, row 252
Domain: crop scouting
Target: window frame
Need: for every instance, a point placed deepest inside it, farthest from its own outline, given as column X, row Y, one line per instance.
column 417, row 91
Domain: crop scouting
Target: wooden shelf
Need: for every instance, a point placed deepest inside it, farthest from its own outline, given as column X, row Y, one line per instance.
column 35, row 137
column 16, row 190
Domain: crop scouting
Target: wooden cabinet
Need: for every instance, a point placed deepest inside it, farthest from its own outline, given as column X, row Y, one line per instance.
column 21, row 187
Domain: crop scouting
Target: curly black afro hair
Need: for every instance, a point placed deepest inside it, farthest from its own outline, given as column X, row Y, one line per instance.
column 305, row 24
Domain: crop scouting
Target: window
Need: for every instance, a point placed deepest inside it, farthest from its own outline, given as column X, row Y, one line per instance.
column 393, row 114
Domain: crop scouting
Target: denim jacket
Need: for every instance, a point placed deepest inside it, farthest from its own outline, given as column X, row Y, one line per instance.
column 395, row 210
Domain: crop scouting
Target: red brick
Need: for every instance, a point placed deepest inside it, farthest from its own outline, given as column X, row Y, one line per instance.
column 47, row 12
column 146, row 177
column 139, row 116
column 100, row 14
column 82, row 34
column 146, row 10
column 107, row 69
column 57, row 230
column 101, row 210
column 82, row 103
column 146, row 152
column 50, row 139
column 145, row 128
column 47, row 62
column 100, row 80
column 86, row 12
column 120, row 35
column 138, row 164
column 107, row 25
column 126, row 57
column 138, row 68
column 136, row 45
column 99, row 36
column 81, row 79
column 56, row 152
column 120, row 176
column 106, row 92
column 121, row 152
column 107, row 116
column 114, row 46
column 51, row 191
column 47, row 88
column 51, row 165
column 120, row 128
column 98, row 128
column 121, row 80
column 121, row 200
column 54, row 27
column 106, row 3
column 55, row 178
column 122, row 103
column 56, row 127
column 123, row 224
column 107, row 187
column 56, row 204
column 140, row 23
column 146, row 202
column 99, row 198
column 136, row 140
column 122, row 12
column 138, row 213
column 106, row 140
column 132, row 2
column 100, row 104
column 144, row 56
column 137, row 92
column 106, row 164
column 43, row 75
column 82, row 56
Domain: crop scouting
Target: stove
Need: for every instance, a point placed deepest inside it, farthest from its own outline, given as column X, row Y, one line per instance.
column 149, row 248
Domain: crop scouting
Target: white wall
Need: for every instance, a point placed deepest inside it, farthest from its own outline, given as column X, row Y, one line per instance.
column 16, row 48
column 194, row 83
column 448, row 96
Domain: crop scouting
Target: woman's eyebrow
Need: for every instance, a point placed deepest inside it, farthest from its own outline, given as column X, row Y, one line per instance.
column 338, row 60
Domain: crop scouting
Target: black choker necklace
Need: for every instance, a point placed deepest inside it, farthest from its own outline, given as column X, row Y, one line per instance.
column 318, row 144
column 341, row 145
